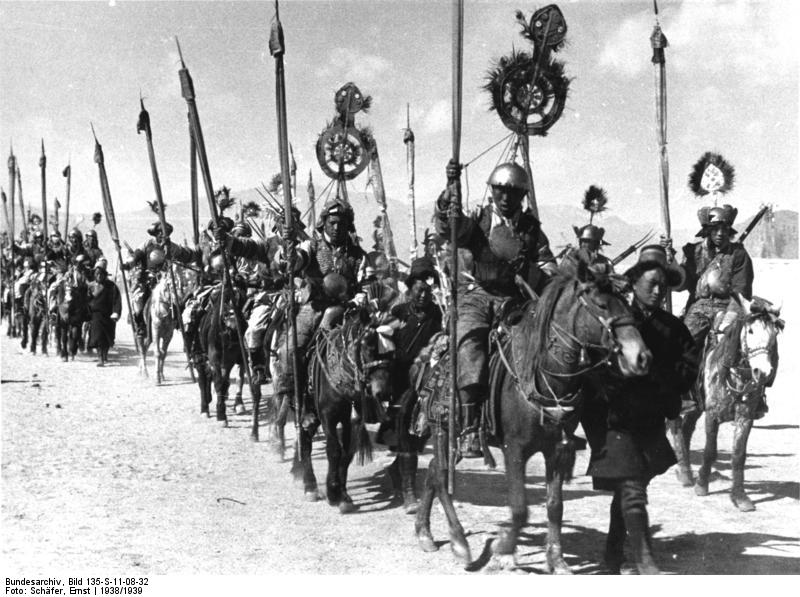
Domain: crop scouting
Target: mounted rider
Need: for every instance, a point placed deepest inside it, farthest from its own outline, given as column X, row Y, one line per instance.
column 501, row 242
column 91, row 247
column 332, row 265
column 590, row 237
column 716, row 267
column 148, row 261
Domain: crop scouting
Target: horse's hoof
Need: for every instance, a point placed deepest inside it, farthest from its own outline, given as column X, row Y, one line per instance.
column 701, row 489
column 461, row 551
column 347, row 507
column 239, row 409
column 558, row 566
column 743, row 503
column 685, row 477
column 223, row 424
column 500, row 562
column 410, row 506
column 254, row 437
column 426, row 543
column 311, row 496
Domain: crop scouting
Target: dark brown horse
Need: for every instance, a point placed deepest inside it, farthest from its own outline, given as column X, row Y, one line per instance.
column 214, row 346
column 735, row 373
column 69, row 303
column 579, row 326
column 349, row 382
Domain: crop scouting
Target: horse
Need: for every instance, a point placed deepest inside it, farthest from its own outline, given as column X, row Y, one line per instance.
column 731, row 387
column 579, row 326
column 163, row 307
column 349, row 381
column 36, row 306
column 215, row 347
column 69, row 299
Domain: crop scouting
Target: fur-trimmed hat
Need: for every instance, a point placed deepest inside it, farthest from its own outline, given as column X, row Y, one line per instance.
column 652, row 257
column 155, row 229
column 716, row 216
column 422, row 268
column 337, row 207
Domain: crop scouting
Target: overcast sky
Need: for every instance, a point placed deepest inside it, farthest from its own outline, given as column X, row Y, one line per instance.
column 732, row 73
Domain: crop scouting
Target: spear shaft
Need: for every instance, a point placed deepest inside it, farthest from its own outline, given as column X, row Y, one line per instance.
column 5, row 211
column 12, row 170
column 108, row 207
column 144, row 124
column 658, row 42
column 193, row 184
column 277, row 49
column 187, row 90
column 43, row 166
column 22, row 206
column 457, row 74
column 68, row 173
column 408, row 139
column 376, row 180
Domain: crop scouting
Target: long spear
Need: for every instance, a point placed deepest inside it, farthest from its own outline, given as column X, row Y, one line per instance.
column 277, row 49
column 67, row 173
column 658, row 42
column 5, row 210
column 408, row 139
column 22, row 206
column 312, row 199
column 12, row 170
column 455, row 198
column 43, row 166
column 144, row 125
column 108, row 207
column 193, row 184
column 187, row 90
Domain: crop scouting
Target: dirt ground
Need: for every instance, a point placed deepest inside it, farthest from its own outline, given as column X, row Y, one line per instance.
column 103, row 471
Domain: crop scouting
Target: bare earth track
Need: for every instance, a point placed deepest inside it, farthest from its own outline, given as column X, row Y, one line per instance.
column 103, row 471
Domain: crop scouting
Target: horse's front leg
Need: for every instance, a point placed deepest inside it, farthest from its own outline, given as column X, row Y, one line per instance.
column 347, row 452
column 221, row 377
column 709, row 456
column 422, row 523
column 238, row 403
column 741, row 434
column 504, row 546
column 458, row 539
column 555, row 517
column 681, row 430
column 304, row 466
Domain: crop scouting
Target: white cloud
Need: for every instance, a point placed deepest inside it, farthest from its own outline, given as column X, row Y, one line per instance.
column 624, row 52
column 438, row 118
column 350, row 65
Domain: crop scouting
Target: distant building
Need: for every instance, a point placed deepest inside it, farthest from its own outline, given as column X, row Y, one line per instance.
column 775, row 237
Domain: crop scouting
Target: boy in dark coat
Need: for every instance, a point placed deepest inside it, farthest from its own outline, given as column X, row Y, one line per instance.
column 627, row 431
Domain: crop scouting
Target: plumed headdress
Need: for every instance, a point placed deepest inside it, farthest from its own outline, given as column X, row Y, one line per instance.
column 712, row 174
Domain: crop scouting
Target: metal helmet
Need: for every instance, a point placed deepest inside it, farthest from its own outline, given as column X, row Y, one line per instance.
column 91, row 233
column 155, row 257
column 592, row 233
column 509, row 175
column 76, row 233
column 709, row 217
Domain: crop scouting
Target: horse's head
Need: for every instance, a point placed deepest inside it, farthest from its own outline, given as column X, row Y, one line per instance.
column 375, row 364
column 604, row 323
column 758, row 338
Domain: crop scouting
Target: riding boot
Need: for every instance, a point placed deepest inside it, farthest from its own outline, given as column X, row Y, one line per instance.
column 471, row 397
column 637, row 525
column 615, row 541
column 258, row 365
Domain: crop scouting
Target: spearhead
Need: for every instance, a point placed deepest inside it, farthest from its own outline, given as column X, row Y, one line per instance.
column 98, row 151
column 187, row 87
column 144, row 120
column 43, row 158
column 276, row 46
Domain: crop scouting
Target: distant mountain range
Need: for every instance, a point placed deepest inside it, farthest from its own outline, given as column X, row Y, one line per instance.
column 775, row 238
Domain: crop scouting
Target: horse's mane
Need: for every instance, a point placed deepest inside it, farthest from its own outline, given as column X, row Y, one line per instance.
column 543, row 317
column 729, row 344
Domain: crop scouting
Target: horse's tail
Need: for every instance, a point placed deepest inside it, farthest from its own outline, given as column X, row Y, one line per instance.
column 562, row 460
column 362, row 444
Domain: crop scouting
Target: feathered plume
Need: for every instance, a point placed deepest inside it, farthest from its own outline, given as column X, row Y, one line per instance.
column 224, row 199
column 594, row 201
column 251, row 209
column 35, row 220
column 96, row 218
column 711, row 174
column 154, row 207
column 275, row 182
